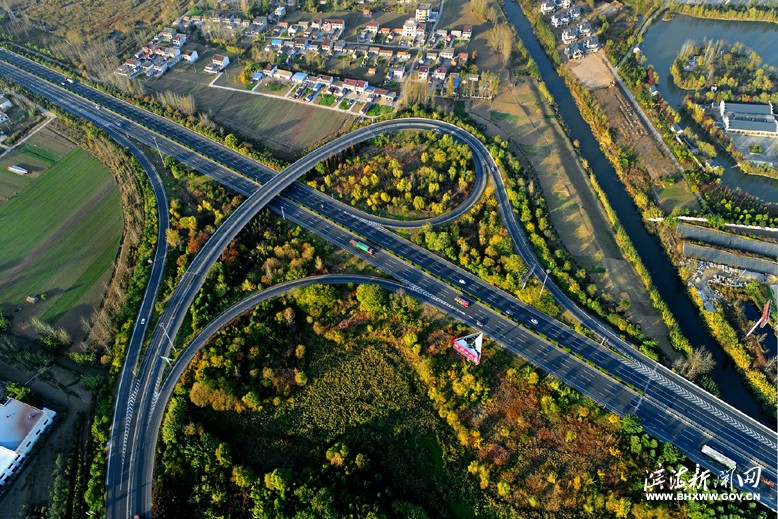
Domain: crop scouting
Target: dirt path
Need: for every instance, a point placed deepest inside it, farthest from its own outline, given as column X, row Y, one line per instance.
column 520, row 115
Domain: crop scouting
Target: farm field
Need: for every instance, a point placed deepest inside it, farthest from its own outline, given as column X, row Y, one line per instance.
column 36, row 155
column 60, row 236
column 520, row 115
column 287, row 127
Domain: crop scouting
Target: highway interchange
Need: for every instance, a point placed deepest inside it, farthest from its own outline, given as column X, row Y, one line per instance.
column 671, row 408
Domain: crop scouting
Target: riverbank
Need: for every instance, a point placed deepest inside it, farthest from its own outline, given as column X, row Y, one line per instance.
column 648, row 247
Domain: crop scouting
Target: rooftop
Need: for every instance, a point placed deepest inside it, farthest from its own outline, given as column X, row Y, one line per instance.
column 17, row 419
column 748, row 108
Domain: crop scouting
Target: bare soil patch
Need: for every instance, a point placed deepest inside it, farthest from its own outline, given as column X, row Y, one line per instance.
column 592, row 71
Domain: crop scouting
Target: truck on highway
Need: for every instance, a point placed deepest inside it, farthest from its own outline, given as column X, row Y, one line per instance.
column 721, row 458
column 362, row 246
column 461, row 301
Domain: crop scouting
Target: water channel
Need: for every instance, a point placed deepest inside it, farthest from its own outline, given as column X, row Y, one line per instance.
column 648, row 246
column 661, row 44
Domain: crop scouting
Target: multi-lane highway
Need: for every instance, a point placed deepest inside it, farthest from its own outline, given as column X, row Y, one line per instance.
column 126, row 393
column 671, row 408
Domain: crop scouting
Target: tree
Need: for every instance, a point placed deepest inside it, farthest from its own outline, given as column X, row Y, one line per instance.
column 372, row 298
column 699, row 361
column 231, row 141
column 316, row 299
column 501, row 40
column 17, row 391
column 174, row 420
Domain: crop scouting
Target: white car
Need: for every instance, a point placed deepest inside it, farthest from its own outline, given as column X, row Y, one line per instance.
column 461, row 281
column 143, row 321
column 534, row 321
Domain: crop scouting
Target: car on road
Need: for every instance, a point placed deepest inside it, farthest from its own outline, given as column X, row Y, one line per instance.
column 461, row 281
column 143, row 321
column 479, row 323
column 534, row 321
column 508, row 312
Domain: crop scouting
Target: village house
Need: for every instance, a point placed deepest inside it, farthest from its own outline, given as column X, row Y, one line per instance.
column 403, row 55
column 168, row 33
column 372, row 27
column 384, row 94
column 167, row 52
column 260, row 22
column 447, row 53
column 324, row 79
column 409, row 28
column 301, row 44
column 283, row 74
column 423, row 72
column 218, row 63
column 385, row 53
column 357, row 85
column 179, row 40
column 440, row 73
column 371, row 71
column 269, row 70
column 299, row 77
column 423, row 12
column 397, row 72
column 467, row 32
column 548, row 7
column 569, row 36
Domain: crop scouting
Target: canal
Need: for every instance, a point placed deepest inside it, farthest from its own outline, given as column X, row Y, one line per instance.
column 648, row 246
column 661, row 44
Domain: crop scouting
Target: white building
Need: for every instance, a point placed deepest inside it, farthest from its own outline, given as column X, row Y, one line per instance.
column 409, row 28
column 5, row 103
column 20, row 427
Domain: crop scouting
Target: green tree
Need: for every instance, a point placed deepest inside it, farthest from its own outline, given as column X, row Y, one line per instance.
column 316, row 299
column 372, row 298
column 17, row 391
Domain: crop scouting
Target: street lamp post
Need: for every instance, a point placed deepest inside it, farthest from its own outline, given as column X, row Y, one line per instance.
column 544, row 283
column 158, row 151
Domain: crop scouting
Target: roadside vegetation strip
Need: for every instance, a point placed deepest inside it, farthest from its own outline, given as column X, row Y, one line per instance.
column 677, row 338
column 720, row 328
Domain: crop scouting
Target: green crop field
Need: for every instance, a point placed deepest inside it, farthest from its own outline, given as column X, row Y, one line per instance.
column 60, row 235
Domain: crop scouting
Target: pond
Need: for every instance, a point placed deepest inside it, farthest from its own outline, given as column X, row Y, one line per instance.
column 661, row 44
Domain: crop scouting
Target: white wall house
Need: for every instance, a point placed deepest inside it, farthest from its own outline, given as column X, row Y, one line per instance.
column 20, row 427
